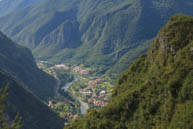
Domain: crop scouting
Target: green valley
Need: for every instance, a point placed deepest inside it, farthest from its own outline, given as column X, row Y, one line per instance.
column 156, row 90
column 96, row 64
column 106, row 34
column 79, row 88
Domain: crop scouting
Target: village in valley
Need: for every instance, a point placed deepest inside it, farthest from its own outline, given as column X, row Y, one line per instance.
column 78, row 89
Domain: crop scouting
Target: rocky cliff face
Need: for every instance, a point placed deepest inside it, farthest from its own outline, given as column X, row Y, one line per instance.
column 66, row 35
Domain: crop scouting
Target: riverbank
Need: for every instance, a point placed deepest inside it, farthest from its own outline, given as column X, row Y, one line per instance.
column 77, row 90
column 83, row 106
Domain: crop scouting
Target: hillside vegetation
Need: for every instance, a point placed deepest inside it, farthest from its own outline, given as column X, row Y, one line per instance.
column 106, row 34
column 20, row 63
column 156, row 91
column 34, row 114
column 28, row 86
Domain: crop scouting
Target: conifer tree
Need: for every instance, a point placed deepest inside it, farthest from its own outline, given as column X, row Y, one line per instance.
column 4, row 122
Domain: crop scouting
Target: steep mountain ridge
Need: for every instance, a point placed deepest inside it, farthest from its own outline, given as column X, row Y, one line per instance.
column 27, row 84
column 156, row 91
column 105, row 34
column 20, row 63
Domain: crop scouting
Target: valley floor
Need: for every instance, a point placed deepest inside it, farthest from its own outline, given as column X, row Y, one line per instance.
column 78, row 89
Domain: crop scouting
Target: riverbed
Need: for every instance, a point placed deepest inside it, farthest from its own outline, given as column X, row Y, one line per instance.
column 83, row 106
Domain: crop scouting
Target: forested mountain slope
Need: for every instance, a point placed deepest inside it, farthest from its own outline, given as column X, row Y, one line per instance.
column 106, row 34
column 20, row 63
column 35, row 114
column 156, row 91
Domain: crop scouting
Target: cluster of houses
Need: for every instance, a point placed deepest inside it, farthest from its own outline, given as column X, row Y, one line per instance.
column 76, row 69
column 70, row 116
column 61, row 66
column 95, row 82
column 95, row 100
column 88, row 90
column 98, row 101
column 50, row 104
column 79, row 70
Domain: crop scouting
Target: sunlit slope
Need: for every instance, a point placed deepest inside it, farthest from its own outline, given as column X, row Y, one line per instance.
column 156, row 91
column 106, row 34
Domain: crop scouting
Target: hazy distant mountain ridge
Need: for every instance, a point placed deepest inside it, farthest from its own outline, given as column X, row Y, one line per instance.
column 7, row 6
column 105, row 34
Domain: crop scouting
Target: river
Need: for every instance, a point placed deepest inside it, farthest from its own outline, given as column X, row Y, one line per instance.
column 83, row 106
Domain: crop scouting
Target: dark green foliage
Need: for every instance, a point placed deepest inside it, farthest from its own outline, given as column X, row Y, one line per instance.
column 65, row 77
column 19, row 70
column 4, row 122
column 34, row 113
column 19, row 62
column 156, row 91
column 107, row 34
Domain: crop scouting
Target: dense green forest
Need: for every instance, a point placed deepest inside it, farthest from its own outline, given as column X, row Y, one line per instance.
column 34, row 114
column 156, row 91
column 27, row 85
column 19, row 62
